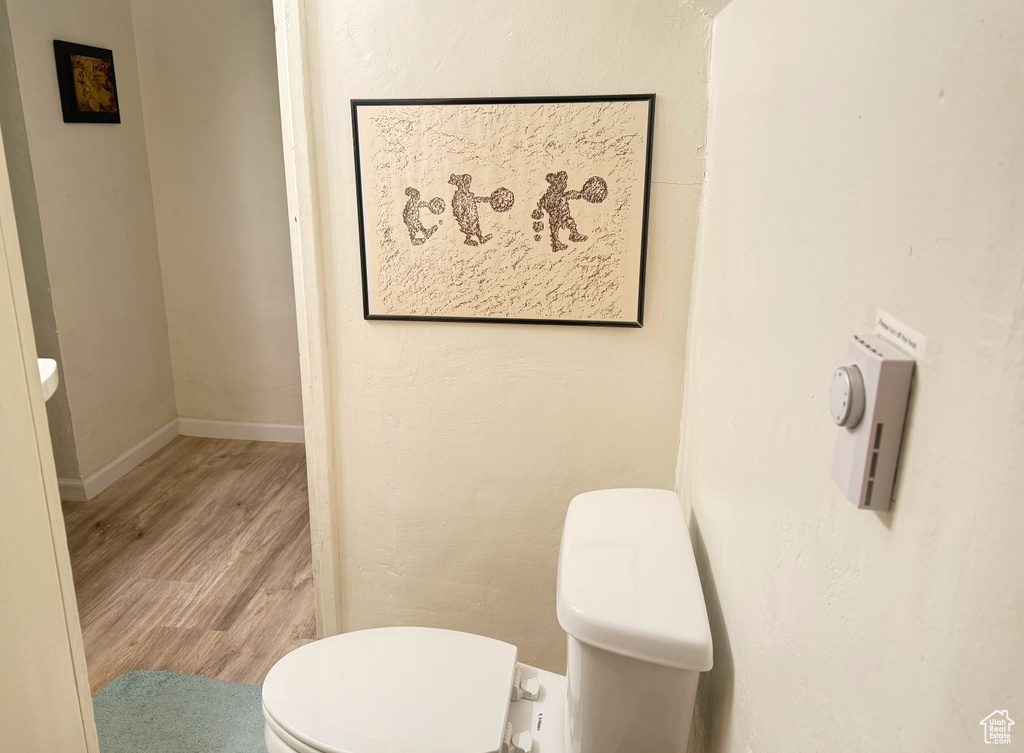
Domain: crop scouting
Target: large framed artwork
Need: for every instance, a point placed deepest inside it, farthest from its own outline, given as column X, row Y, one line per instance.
column 85, row 79
column 524, row 210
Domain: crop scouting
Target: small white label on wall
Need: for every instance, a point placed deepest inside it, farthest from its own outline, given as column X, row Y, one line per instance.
column 907, row 339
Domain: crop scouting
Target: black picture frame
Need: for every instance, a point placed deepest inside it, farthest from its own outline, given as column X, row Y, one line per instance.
column 356, row 104
column 64, row 52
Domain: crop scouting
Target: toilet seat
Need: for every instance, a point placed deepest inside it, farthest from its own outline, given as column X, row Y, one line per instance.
column 393, row 690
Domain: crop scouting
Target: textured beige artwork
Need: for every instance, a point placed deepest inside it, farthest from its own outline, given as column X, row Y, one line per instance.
column 524, row 211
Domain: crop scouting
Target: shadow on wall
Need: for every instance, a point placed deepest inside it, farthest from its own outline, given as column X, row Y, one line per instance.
column 715, row 691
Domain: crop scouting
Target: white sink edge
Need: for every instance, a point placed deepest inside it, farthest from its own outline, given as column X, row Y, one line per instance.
column 48, row 376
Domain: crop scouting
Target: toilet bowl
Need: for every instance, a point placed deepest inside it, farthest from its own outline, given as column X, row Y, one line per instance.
column 630, row 600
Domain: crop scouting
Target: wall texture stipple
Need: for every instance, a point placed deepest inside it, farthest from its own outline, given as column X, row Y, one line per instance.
column 835, row 188
column 460, row 445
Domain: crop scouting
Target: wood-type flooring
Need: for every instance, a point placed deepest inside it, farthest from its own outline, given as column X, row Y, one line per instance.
column 197, row 561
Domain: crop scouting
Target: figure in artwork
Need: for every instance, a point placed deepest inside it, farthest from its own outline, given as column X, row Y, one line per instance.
column 555, row 202
column 464, row 207
column 419, row 234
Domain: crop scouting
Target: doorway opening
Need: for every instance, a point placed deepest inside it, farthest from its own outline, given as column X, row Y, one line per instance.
column 157, row 260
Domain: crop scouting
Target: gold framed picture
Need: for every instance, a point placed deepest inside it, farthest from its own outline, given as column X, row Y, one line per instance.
column 87, row 85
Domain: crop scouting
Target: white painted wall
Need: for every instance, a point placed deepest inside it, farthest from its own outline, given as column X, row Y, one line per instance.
column 30, row 233
column 459, row 446
column 209, row 87
column 861, row 155
column 98, row 231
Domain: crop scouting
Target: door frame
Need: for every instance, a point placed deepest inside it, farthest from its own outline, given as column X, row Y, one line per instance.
column 10, row 258
column 307, row 271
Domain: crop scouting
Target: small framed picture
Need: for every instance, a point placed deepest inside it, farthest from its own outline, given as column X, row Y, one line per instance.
column 88, row 87
column 521, row 210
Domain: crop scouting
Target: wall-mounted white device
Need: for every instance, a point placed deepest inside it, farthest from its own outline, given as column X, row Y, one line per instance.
column 868, row 400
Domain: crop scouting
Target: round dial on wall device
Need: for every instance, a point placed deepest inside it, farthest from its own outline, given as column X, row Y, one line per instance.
column 846, row 396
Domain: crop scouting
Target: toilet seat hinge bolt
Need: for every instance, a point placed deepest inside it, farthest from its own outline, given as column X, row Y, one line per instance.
column 522, row 743
column 525, row 687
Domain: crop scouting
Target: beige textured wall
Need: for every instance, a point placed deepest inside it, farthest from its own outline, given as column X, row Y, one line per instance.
column 861, row 156
column 460, row 445
column 98, row 230
column 213, row 129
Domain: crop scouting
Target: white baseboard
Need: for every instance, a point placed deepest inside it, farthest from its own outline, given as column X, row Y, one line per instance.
column 75, row 490
column 71, row 490
column 82, row 490
column 202, row 427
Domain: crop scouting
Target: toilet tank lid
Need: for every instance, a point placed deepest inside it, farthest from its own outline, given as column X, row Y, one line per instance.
column 627, row 580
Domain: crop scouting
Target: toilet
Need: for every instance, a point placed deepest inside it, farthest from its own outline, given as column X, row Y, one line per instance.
column 630, row 600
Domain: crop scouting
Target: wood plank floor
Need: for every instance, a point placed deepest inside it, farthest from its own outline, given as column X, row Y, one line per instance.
column 198, row 561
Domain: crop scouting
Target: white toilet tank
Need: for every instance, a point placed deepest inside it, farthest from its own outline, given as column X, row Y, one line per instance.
column 630, row 599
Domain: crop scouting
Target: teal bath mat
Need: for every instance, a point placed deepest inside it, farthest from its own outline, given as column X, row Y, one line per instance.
column 161, row 712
